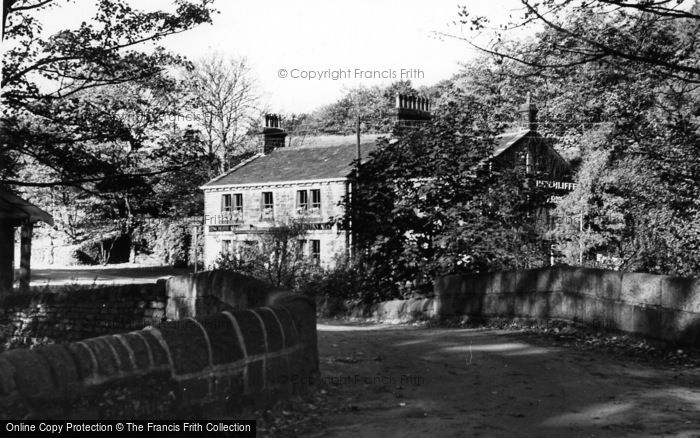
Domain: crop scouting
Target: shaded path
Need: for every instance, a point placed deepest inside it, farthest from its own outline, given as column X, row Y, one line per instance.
column 403, row 381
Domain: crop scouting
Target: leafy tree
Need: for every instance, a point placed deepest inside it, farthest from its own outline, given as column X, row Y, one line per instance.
column 276, row 257
column 374, row 106
column 617, row 86
column 616, row 32
column 427, row 204
column 91, row 119
column 53, row 113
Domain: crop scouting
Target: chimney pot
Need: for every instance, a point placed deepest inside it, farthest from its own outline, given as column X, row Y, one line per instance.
column 273, row 135
column 411, row 108
column 528, row 114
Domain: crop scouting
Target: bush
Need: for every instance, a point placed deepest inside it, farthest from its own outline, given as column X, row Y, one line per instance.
column 345, row 282
column 275, row 257
column 174, row 243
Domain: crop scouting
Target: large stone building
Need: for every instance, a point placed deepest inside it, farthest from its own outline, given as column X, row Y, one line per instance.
column 305, row 180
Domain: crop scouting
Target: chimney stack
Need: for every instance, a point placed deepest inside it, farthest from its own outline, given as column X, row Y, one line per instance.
column 410, row 109
column 273, row 134
column 528, row 115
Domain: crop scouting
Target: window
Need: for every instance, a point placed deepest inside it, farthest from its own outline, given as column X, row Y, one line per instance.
column 231, row 207
column 238, row 203
column 225, row 246
column 268, row 204
column 302, row 200
column 226, row 203
column 316, row 250
column 316, row 199
column 302, row 247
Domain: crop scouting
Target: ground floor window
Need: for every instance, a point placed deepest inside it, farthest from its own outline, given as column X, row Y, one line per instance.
column 302, row 247
column 225, row 246
column 316, row 250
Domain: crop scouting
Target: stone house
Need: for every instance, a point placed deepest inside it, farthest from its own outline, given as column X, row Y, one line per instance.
column 525, row 147
column 305, row 180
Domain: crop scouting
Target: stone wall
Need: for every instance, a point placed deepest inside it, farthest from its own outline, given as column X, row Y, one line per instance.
column 192, row 368
column 74, row 314
column 656, row 306
column 397, row 310
column 210, row 292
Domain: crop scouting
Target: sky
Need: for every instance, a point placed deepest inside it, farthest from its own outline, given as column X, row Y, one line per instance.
column 306, row 53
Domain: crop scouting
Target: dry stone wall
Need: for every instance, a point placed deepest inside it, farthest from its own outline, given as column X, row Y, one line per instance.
column 191, row 368
column 48, row 317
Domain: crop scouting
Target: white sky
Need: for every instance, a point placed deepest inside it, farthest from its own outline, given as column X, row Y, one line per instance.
column 317, row 35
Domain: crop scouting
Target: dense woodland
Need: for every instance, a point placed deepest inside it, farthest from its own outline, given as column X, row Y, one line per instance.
column 114, row 135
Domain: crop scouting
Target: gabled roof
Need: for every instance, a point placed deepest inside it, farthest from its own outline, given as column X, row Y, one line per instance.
column 14, row 208
column 310, row 158
column 504, row 142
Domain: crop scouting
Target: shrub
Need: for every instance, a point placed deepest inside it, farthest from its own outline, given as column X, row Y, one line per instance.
column 174, row 243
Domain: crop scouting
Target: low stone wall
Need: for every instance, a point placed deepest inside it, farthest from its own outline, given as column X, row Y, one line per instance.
column 192, row 368
column 212, row 291
column 397, row 310
column 656, row 306
column 74, row 314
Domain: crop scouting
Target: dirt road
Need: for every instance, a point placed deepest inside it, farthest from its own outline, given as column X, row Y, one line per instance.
column 404, row 381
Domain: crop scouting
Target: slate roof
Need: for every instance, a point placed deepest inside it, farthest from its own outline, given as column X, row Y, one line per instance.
column 13, row 207
column 309, row 158
column 503, row 142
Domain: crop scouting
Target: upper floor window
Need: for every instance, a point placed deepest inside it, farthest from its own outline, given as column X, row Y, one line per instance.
column 316, row 199
column 267, row 203
column 304, row 204
column 226, row 203
column 238, row 202
column 302, row 200
column 232, row 203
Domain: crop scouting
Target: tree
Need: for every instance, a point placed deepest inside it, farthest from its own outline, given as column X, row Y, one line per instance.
column 657, row 34
column 374, row 107
column 277, row 257
column 614, row 87
column 52, row 112
column 225, row 102
column 427, row 204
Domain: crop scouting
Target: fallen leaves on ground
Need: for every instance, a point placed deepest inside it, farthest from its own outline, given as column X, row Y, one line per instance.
column 566, row 334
